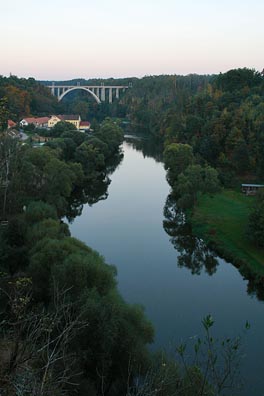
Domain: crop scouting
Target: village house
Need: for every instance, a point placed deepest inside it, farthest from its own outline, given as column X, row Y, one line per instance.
column 50, row 122
column 38, row 122
column 71, row 118
column 251, row 189
column 10, row 124
column 53, row 120
column 84, row 126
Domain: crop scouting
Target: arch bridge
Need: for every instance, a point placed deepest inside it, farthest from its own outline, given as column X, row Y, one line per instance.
column 100, row 93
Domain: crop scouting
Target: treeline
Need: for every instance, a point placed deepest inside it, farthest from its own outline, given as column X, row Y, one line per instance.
column 26, row 97
column 64, row 326
column 152, row 98
column 224, row 124
column 145, row 102
column 72, row 160
column 220, row 116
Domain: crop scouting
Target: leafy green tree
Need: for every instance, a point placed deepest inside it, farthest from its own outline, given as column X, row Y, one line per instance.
column 45, row 177
column 237, row 79
column 47, row 228
column 194, row 180
column 4, row 114
column 177, row 157
column 187, row 186
column 100, row 145
column 37, row 211
column 111, row 134
column 91, row 159
column 62, row 127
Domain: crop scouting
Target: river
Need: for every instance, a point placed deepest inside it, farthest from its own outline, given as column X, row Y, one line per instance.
column 127, row 228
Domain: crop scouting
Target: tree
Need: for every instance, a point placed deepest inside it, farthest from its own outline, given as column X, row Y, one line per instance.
column 62, row 127
column 44, row 177
column 111, row 134
column 4, row 114
column 210, row 367
column 91, row 159
column 195, row 179
column 37, row 356
column 177, row 157
column 37, row 211
column 255, row 230
column 237, row 79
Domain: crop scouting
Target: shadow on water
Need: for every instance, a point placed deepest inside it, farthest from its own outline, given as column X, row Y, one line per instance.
column 255, row 285
column 193, row 252
column 149, row 147
column 195, row 255
column 95, row 189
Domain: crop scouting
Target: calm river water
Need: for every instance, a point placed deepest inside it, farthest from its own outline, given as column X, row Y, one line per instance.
column 127, row 229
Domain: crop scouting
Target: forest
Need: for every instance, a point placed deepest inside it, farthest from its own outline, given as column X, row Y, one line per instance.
column 64, row 325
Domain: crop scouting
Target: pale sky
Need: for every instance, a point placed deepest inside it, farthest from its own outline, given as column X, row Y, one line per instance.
column 63, row 39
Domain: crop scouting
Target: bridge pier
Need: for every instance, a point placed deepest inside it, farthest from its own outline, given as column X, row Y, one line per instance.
column 103, row 94
column 53, row 88
column 110, row 95
column 117, row 93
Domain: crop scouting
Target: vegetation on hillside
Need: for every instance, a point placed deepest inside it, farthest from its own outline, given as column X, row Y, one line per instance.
column 64, row 326
column 27, row 97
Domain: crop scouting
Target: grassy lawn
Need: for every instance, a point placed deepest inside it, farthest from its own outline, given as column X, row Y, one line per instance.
column 222, row 219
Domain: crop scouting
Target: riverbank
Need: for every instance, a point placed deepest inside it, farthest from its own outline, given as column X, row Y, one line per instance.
column 221, row 220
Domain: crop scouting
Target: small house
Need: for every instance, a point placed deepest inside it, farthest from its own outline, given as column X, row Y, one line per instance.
column 84, row 126
column 10, row 124
column 251, row 189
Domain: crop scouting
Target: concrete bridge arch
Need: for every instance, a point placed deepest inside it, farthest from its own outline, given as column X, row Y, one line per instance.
column 60, row 97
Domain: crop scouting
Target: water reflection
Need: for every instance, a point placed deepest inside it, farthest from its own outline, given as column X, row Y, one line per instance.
column 94, row 191
column 195, row 255
column 149, row 147
column 255, row 286
column 193, row 252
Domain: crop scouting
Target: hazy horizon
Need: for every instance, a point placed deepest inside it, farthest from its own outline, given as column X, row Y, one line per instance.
column 121, row 77
column 59, row 40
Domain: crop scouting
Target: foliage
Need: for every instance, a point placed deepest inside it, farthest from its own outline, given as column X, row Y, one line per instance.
column 36, row 353
column 222, row 220
column 27, row 97
column 62, row 127
column 194, row 253
column 4, row 114
column 187, row 178
column 177, row 157
column 209, row 368
column 255, row 230
column 38, row 245
column 238, row 79
column 111, row 134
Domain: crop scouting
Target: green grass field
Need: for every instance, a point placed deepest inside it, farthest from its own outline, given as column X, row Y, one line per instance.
column 222, row 219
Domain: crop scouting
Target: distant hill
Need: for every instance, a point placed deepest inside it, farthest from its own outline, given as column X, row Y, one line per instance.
column 27, row 97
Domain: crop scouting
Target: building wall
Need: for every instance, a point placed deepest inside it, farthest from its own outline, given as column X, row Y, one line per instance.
column 53, row 121
column 74, row 122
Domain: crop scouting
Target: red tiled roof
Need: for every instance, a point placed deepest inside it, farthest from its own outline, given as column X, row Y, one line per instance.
column 11, row 124
column 42, row 120
column 30, row 120
column 71, row 117
column 85, row 123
